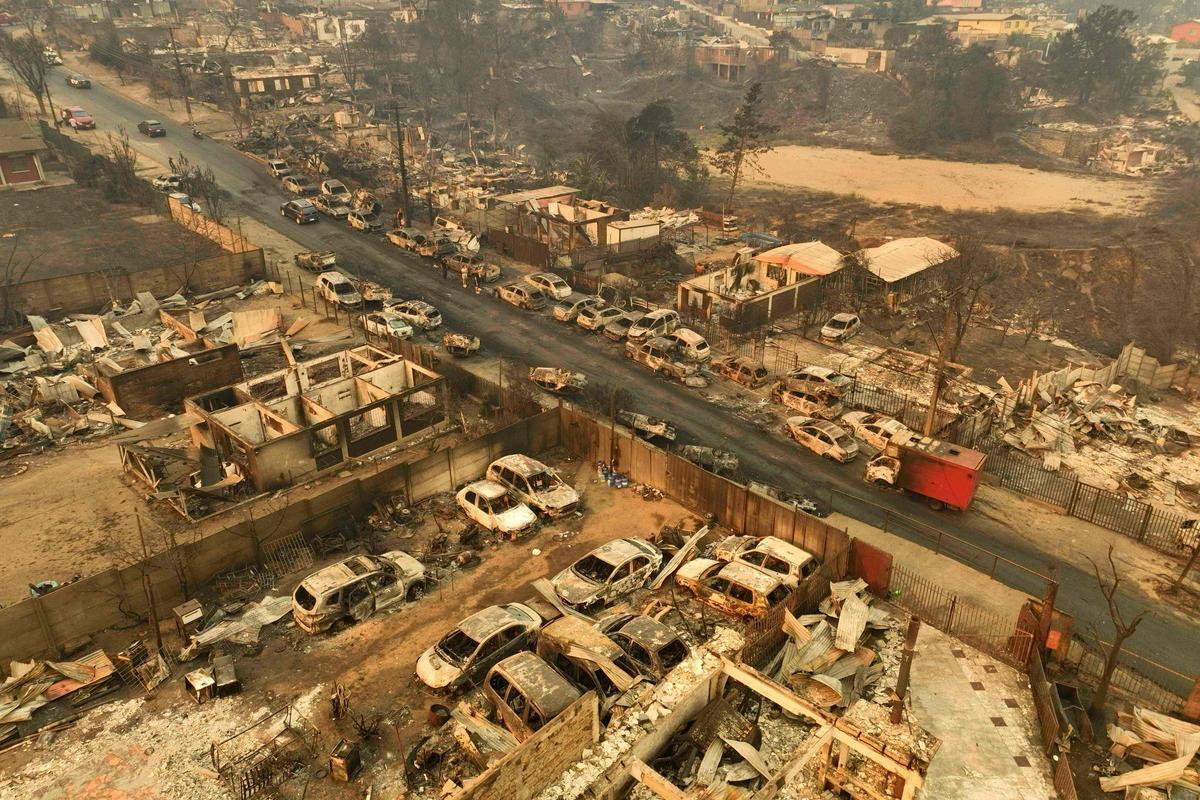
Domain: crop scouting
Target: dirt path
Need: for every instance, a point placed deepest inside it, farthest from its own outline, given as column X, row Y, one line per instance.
column 950, row 184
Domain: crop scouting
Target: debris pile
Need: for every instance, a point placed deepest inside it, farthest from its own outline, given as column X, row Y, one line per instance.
column 1166, row 747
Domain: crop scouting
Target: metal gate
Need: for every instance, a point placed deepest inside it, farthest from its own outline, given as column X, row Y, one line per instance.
column 1108, row 510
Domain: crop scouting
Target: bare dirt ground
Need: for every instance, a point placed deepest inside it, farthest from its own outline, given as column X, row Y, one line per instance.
column 158, row 747
column 951, row 185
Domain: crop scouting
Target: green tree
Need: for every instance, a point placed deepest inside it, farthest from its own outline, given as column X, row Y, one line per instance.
column 745, row 140
column 1098, row 61
column 1191, row 73
column 645, row 154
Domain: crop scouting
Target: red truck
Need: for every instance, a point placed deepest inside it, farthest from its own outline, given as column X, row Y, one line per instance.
column 945, row 474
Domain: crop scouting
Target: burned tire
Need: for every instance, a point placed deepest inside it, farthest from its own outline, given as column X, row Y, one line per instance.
column 416, row 592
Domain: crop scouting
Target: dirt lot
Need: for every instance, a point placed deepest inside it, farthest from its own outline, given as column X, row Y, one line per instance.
column 951, row 185
column 157, row 748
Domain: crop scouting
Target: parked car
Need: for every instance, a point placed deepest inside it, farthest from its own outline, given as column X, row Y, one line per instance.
column 819, row 379
column 594, row 318
column 316, row 260
column 611, row 570
column 618, row 329
column 463, row 655
column 841, row 327
column 740, row 369
column 279, row 168
column 534, row 483
column 185, row 200
column 692, row 346
column 355, row 588
column 299, row 211
column 76, row 118
column 662, row 355
column 769, row 554
column 51, row 57
column 567, row 309
column 656, row 323
column 300, row 184
column 152, row 128
column 522, row 295
column 167, row 183
column 330, row 206
column 387, row 323
column 809, row 403
column 418, row 313
column 336, row 191
column 876, row 430
column 654, row 648
column 527, row 693
column 407, row 238
column 554, row 287
column 473, row 265
column 78, row 81
column 492, row 506
column 364, row 221
column 826, row 439
column 337, row 288
column 591, row 661
column 736, row 589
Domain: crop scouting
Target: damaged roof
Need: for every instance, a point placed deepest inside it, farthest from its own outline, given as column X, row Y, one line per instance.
column 900, row 258
column 807, row 258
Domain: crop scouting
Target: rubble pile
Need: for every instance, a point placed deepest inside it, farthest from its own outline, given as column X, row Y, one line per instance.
column 1166, row 748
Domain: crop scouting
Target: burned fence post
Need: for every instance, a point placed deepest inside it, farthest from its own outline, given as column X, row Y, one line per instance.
column 910, row 644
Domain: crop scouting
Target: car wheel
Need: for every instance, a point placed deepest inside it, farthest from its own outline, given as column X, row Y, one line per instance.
column 828, row 456
column 416, row 591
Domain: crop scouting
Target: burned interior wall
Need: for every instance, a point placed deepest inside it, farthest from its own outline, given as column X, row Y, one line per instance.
column 155, row 390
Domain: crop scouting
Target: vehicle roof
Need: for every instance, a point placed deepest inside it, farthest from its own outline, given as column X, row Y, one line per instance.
column 570, row 629
column 659, row 341
column 489, row 489
column 845, row 316
column 688, row 335
column 548, row 276
column 820, row 372
column 781, row 549
column 420, row 305
column 151, row 122
column 573, row 298
column 658, row 312
column 741, row 361
column 648, row 632
column 633, row 316
column 333, row 576
column 520, row 463
column 74, row 108
column 539, row 682
column 620, row 550
column 750, row 577
column 483, row 623
column 334, row 275
column 302, row 203
column 833, row 429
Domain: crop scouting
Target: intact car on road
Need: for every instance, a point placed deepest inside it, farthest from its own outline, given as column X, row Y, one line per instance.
column 355, row 588
column 387, row 323
column 76, row 118
column 78, row 81
column 299, row 211
column 535, row 483
column 610, row 571
column 418, row 313
column 492, row 506
column 152, row 128
column 826, row 439
column 473, row 646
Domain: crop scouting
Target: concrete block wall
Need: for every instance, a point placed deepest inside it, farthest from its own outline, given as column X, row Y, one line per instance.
column 152, row 391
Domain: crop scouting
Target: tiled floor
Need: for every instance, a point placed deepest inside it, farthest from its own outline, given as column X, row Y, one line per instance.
column 982, row 711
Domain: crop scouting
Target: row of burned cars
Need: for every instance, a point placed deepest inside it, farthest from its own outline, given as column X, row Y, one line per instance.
column 532, row 659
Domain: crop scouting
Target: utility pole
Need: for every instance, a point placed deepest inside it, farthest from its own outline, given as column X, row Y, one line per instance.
column 187, row 103
column 148, row 585
column 910, row 646
column 403, row 167
column 939, row 376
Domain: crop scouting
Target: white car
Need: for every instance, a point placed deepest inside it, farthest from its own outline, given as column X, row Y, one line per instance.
column 417, row 313
column 825, row 438
column 568, row 309
column 167, row 183
column 386, row 323
column 554, row 287
column 364, row 221
column 336, row 191
column 877, row 430
column 656, row 323
column 337, row 288
column 841, row 327
column 594, row 318
column 492, row 506
column 279, row 168
column 467, row 652
column 535, row 483
column 819, row 379
column 611, row 570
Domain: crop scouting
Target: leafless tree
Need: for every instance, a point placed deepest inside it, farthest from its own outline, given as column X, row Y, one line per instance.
column 15, row 270
column 24, row 56
column 232, row 19
column 1122, row 629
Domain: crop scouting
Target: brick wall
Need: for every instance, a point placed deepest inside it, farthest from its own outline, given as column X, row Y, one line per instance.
column 152, row 391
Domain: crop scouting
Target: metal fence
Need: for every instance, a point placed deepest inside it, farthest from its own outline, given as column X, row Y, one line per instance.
column 1050, row 726
column 1162, row 530
column 1136, row 677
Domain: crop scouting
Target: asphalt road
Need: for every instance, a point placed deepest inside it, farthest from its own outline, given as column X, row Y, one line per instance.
column 536, row 339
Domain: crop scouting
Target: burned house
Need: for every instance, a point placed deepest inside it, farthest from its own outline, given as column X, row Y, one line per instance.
column 901, row 269
column 541, row 224
column 729, row 60
column 253, row 85
column 148, row 388
column 290, row 425
column 758, row 288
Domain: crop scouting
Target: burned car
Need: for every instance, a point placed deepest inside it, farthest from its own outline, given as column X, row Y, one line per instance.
column 646, row 426
column 316, row 260
column 654, row 648
column 464, row 654
column 527, row 693
column 768, row 554
column 826, row 439
column 611, row 570
column 460, row 345
column 490, row 505
column 591, row 661
column 876, row 430
column 557, row 380
column 534, row 483
column 355, row 588
column 740, row 369
column 736, row 589
column 710, row 458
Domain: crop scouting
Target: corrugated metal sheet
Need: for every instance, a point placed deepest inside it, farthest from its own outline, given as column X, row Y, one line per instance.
column 807, row 258
column 900, row 258
column 852, row 620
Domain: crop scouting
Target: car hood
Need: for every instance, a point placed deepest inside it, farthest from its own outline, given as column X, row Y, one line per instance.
column 516, row 519
column 574, row 589
column 435, row 671
column 558, row 498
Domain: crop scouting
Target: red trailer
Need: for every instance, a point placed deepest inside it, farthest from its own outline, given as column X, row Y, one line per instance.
column 944, row 474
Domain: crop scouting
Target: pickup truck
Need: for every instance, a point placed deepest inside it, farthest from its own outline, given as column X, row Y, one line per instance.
column 316, row 260
column 660, row 354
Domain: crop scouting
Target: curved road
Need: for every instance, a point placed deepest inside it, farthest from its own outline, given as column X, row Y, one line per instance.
column 536, row 339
